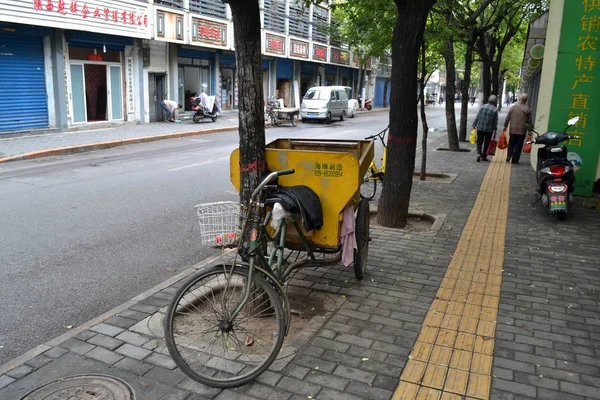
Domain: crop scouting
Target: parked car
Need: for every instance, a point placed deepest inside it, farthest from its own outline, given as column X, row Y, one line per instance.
column 323, row 103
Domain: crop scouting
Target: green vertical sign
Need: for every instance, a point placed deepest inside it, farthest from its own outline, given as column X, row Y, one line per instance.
column 577, row 88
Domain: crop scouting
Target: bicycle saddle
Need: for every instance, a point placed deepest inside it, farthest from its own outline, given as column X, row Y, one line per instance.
column 299, row 199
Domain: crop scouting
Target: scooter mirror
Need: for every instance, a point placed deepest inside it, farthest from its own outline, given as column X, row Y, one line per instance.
column 573, row 121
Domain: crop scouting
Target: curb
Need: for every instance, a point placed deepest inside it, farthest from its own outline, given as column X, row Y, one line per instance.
column 95, row 321
column 58, row 151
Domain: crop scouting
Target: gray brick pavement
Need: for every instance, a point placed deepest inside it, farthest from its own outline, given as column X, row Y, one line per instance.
column 545, row 341
column 548, row 324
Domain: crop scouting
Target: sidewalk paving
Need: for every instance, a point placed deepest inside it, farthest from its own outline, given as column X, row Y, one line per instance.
column 40, row 145
column 543, row 342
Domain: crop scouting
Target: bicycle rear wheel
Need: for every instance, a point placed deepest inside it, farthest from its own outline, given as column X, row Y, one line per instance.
column 363, row 237
column 211, row 348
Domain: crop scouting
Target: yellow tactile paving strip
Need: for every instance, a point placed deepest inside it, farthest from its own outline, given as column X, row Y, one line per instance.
column 452, row 358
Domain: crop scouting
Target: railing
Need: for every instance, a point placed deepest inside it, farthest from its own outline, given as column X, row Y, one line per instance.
column 209, row 8
column 170, row 3
column 299, row 20
column 274, row 15
column 320, row 23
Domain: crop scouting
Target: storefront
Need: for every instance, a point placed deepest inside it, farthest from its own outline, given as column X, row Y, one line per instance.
column 307, row 76
column 195, row 74
column 23, row 93
column 229, row 84
column 266, row 68
column 97, row 78
column 330, row 75
column 285, row 73
column 347, row 76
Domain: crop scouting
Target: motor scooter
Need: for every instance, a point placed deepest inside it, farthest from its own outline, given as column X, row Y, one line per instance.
column 368, row 103
column 554, row 172
column 205, row 106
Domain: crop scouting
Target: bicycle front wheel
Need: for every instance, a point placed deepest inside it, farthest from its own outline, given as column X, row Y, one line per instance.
column 368, row 187
column 211, row 347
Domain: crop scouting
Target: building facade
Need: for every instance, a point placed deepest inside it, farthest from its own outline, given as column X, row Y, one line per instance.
column 66, row 64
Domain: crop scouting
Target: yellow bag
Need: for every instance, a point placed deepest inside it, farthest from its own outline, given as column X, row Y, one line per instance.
column 473, row 136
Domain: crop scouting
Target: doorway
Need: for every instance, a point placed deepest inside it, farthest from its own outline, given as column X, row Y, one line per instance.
column 158, row 88
column 228, row 88
column 97, row 92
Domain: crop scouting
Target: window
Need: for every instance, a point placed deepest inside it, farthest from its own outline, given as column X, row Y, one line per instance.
column 320, row 15
column 170, row 3
column 274, row 15
column 179, row 28
column 299, row 20
column 160, row 24
column 209, row 8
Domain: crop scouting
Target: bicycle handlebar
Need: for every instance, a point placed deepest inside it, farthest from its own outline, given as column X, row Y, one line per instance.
column 269, row 178
column 379, row 135
column 286, row 172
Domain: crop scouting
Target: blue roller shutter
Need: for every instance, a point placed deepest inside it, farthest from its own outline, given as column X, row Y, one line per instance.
column 379, row 86
column 285, row 68
column 23, row 100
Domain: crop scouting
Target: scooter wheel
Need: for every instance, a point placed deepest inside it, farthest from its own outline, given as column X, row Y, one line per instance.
column 214, row 119
column 196, row 118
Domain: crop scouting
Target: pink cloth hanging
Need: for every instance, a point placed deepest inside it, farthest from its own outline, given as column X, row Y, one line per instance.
column 348, row 237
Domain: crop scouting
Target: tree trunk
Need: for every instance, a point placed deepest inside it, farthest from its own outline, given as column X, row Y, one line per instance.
column 247, row 40
column 385, row 89
column 500, row 91
column 495, row 80
column 462, row 132
column 423, row 116
column 402, row 142
column 450, row 92
column 486, row 82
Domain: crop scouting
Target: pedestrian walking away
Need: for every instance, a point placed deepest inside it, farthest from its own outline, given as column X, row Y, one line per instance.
column 170, row 107
column 519, row 118
column 486, row 124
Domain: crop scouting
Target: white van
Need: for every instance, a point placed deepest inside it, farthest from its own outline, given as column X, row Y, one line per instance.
column 324, row 103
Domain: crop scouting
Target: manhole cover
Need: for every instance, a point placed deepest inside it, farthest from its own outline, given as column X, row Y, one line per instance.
column 88, row 387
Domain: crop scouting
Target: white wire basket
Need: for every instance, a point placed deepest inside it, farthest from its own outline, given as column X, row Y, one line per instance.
column 219, row 223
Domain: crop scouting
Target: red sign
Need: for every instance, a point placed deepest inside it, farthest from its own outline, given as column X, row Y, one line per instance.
column 275, row 44
column 60, row 6
column 209, row 32
column 340, row 57
column 319, row 53
column 298, row 48
column 95, row 57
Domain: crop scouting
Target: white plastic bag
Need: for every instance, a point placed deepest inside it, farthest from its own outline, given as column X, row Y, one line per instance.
column 278, row 214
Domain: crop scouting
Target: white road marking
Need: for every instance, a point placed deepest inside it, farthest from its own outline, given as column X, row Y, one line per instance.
column 198, row 164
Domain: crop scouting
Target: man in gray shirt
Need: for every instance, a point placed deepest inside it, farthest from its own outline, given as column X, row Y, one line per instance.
column 486, row 123
column 519, row 114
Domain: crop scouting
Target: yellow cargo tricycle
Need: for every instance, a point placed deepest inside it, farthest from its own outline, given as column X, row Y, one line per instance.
column 227, row 323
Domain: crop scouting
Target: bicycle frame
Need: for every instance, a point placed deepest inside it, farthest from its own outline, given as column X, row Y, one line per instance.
column 259, row 235
column 376, row 172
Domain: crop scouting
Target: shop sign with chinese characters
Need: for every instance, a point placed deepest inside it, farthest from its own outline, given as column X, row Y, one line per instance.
column 319, row 53
column 209, row 32
column 123, row 17
column 340, row 57
column 576, row 89
column 298, row 49
column 129, row 77
column 274, row 44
